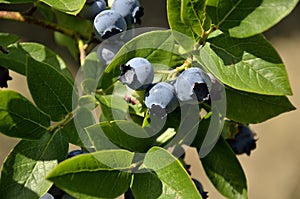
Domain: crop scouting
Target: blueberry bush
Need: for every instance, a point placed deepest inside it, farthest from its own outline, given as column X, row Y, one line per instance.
column 140, row 97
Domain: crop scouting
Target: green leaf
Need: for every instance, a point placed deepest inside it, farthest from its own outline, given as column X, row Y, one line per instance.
column 68, row 6
column 254, row 108
column 16, row 1
column 75, row 129
column 6, row 39
column 146, row 185
column 113, row 107
column 242, row 18
column 225, row 172
column 158, row 47
column 92, row 70
column 187, row 17
column 98, row 138
column 127, row 135
column 82, row 26
column 45, row 10
column 103, row 174
column 51, row 91
column 176, row 181
column 92, row 67
column 24, row 170
column 249, row 64
column 20, row 118
column 67, row 41
column 201, row 132
column 16, row 58
column 230, row 129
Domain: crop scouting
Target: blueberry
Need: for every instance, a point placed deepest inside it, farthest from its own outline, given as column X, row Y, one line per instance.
column 161, row 99
column 108, row 23
column 200, row 188
column 47, row 196
column 243, row 141
column 75, row 153
column 92, row 8
column 56, row 192
column 107, row 51
column 137, row 73
column 4, row 77
column 192, row 84
column 130, row 10
column 128, row 194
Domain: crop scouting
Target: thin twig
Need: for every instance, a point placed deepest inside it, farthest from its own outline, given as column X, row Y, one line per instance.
column 17, row 16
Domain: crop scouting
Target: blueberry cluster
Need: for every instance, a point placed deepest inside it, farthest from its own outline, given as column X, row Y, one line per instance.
column 56, row 193
column 161, row 98
column 243, row 141
column 122, row 15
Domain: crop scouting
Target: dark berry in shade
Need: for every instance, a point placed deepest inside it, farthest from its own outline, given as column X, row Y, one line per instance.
column 243, row 141
column 4, row 77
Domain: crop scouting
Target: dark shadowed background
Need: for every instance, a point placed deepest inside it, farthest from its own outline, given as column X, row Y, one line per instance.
column 273, row 169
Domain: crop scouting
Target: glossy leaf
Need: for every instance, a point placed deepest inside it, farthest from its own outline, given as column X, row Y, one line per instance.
column 16, row 58
column 176, row 181
column 225, row 172
column 103, row 174
column 20, row 118
column 249, row 64
column 98, row 139
column 242, row 18
column 254, row 108
column 187, row 17
column 25, row 169
column 158, row 47
column 6, row 39
column 127, row 135
column 67, row 6
column 146, row 185
column 50, row 90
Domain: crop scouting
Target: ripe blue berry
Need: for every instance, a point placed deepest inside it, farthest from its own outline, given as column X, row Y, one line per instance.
column 108, row 23
column 137, row 73
column 75, row 153
column 128, row 194
column 161, row 99
column 47, row 196
column 4, row 77
column 56, row 192
column 107, row 51
column 92, row 8
column 129, row 9
column 192, row 85
column 243, row 141
column 200, row 188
